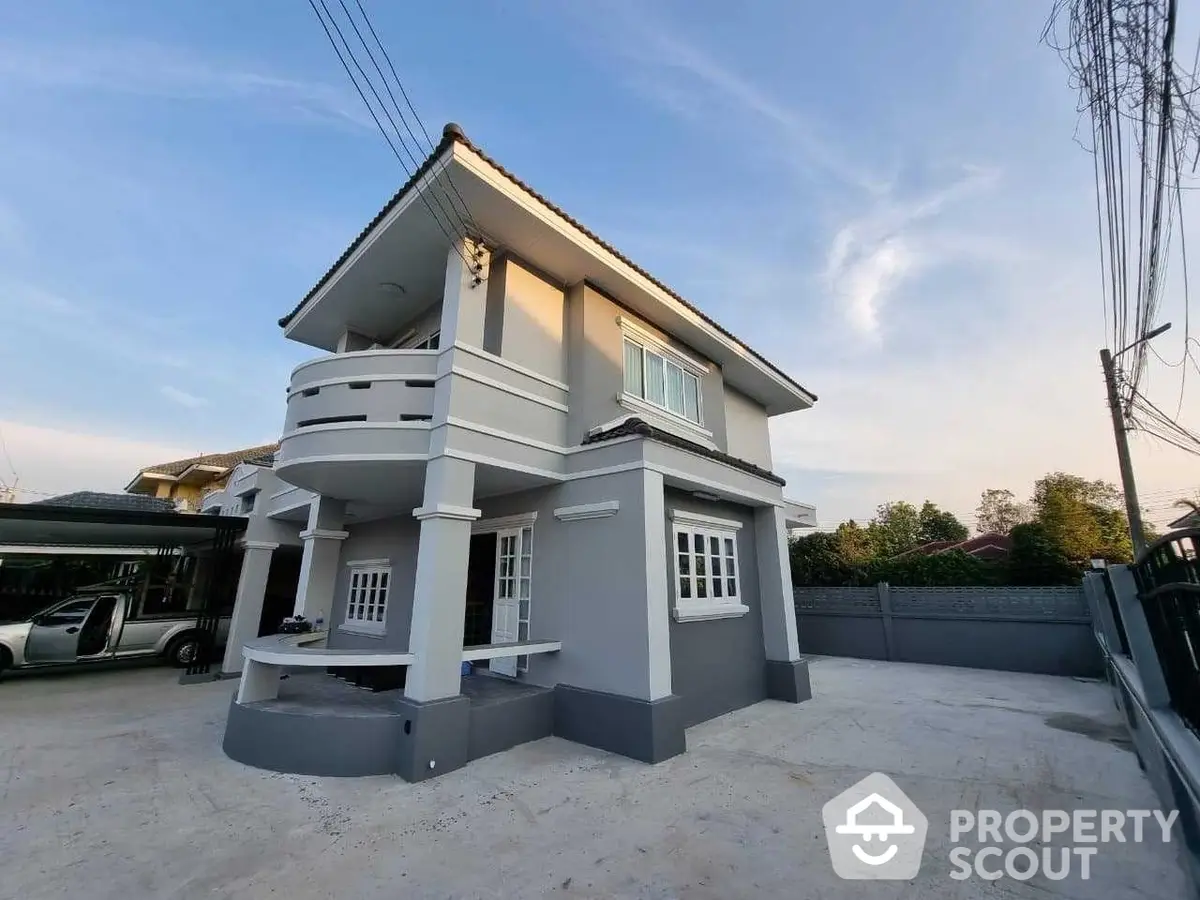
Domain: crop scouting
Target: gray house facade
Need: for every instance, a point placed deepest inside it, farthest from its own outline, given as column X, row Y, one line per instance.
column 519, row 450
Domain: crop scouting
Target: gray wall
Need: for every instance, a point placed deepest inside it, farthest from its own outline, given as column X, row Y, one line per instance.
column 587, row 591
column 1037, row 629
column 394, row 539
column 719, row 665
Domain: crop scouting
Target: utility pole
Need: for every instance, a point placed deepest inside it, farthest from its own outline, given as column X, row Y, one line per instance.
column 1133, row 509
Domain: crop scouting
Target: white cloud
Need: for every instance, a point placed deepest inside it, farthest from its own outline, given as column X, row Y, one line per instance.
column 147, row 69
column 183, row 398
column 684, row 79
column 872, row 254
column 51, row 460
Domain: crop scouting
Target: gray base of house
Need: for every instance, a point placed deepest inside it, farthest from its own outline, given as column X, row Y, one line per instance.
column 392, row 735
column 418, row 740
column 788, row 681
column 647, row 730
column 303, row 743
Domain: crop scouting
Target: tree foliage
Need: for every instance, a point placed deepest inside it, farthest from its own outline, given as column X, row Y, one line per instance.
column 939, row 525
column 999, row 512
column 895, row 529
column 1068, row 521
column 1082, row 518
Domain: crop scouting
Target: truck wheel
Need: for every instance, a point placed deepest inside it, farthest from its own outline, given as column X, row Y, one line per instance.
column 186, row 650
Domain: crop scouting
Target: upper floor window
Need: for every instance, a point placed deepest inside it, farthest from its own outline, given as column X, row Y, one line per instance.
column 430, row 341
column 661, row 381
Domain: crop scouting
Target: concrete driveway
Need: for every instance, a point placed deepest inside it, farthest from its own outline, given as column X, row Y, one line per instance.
column 113, row 785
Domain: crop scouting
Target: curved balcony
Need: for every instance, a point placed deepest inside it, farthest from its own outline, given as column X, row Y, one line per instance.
column 353, row 418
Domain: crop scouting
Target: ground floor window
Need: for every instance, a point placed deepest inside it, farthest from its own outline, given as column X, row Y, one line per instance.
column 366, row 605
column 707, row 572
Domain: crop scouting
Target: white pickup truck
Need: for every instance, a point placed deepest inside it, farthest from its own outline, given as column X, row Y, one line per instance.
column 101, row 624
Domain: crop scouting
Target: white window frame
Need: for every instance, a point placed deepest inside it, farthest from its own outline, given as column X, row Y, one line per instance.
column 357, row 605
column 647, row 342
column 694, row 608
column 685, row 373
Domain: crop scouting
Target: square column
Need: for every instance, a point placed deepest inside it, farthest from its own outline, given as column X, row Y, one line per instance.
column 248, row 602
column 464, row 294
column 322, row 553
column 787, row 672
column 440, row 590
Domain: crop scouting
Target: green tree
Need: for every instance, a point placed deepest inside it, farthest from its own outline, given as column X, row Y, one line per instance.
column 895, row 529
column 854, row 543
column 1036, row 559
column 1082, row 518
column 948, row 569
column 999, row 511
column 939, row 525
column 816, row 560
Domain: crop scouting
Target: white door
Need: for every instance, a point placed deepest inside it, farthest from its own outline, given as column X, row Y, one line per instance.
column 510, row 609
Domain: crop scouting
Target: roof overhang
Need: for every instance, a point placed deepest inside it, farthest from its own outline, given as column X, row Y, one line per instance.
column 37, row 525
column 136, row 487
column 200, row 474
column 799, row 515
column 397, row 267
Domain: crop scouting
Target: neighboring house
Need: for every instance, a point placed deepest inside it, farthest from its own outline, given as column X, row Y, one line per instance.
column 519, row 437
column 186, row 482
column 989, row 546
column 1189, row 520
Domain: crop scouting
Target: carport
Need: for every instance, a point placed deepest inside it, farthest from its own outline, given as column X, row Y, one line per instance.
column 211, row 540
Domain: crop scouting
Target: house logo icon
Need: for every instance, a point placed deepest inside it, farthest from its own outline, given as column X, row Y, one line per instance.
column 874, row 831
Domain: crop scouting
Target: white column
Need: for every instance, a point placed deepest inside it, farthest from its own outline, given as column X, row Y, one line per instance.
column 440, row 592
column 658, row 625
column 322, row 553
column 248, row 603
column 464, row 302
column 775, row 585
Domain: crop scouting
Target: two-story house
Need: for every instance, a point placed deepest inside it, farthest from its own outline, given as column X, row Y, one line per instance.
column 520, row 435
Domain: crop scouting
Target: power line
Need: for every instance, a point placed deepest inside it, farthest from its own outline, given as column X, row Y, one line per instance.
column 451, row 233
column 455, row 221
column 428, row 140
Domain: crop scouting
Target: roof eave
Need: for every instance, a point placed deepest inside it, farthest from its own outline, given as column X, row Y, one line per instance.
column 455, row 143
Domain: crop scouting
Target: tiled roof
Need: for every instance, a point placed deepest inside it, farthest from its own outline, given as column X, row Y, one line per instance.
column 634, row 426
column 990, row 545
column 222, row 460
column 452, row 133
column 96, row 500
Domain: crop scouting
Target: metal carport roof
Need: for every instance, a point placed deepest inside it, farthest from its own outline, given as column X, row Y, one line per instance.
column 29, row 526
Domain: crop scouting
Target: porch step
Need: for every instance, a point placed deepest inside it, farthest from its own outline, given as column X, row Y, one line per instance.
column 505, row 713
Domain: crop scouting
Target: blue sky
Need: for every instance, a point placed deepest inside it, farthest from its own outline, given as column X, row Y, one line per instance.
column 883, row 198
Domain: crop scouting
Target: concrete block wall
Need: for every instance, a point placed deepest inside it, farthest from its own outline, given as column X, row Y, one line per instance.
column 1037, row 629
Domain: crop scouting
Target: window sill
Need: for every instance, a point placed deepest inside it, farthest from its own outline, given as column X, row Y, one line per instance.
column 667, row 420
column 363, row 630
column 706, row 613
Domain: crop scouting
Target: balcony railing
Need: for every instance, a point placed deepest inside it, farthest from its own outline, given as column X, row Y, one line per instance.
column 366, row 386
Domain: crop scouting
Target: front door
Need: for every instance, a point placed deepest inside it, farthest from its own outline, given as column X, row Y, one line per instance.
column 510, row 609
column 54, row 634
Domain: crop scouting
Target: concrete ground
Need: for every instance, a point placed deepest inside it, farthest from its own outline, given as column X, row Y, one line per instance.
column 113, row 785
